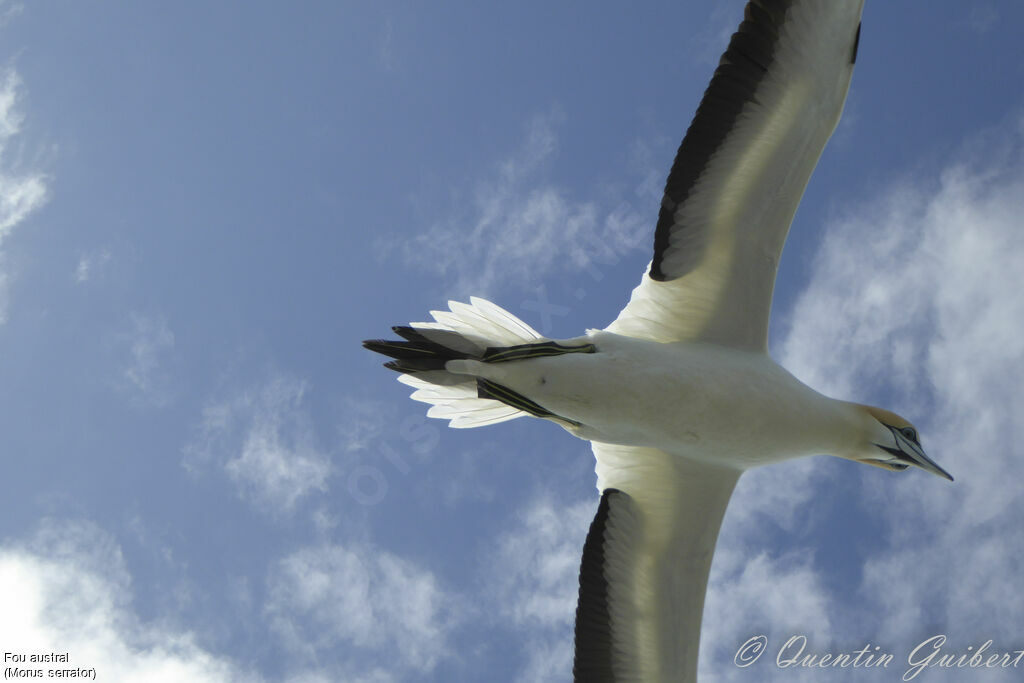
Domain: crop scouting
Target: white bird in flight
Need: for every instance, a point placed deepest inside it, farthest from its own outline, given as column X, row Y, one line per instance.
column 678, row 395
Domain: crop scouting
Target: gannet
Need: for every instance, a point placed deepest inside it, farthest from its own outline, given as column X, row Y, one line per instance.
column 678, row 395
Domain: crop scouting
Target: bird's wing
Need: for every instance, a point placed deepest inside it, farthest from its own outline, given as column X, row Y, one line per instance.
column 645, row 565
column 738, row 176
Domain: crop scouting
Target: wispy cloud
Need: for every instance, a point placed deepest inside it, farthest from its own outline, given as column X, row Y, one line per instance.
column 22, row 190
column 91, row 263
column 362, row 604
column 983, row 17
column 516, row 228
column 9, row 10
column 146, row 346
column 68, row 590
column 716, row 32
column 364, row 422
column 761, row 594
column 533, row 580
column 265, row 442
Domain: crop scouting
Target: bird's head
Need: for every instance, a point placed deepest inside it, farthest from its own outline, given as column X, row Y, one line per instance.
column 893, row 443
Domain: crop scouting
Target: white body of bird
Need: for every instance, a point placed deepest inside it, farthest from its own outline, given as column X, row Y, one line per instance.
column 709, row 403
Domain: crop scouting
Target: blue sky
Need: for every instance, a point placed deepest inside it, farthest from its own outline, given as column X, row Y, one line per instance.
column 205, row 207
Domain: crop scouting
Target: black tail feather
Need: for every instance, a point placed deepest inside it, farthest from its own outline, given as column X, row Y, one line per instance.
column 492, row 390
column 416, row 354
column 399, row 349
column 416, row 364
column 409, row 333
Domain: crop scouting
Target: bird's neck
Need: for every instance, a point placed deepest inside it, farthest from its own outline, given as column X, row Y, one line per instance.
column 848, row 427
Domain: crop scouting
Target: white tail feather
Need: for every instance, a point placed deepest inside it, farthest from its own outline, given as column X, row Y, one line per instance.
column 483, row 324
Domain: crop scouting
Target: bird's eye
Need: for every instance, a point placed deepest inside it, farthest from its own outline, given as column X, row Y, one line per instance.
column 910, row 433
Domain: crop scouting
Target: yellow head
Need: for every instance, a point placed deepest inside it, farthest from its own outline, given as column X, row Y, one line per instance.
column 893, row 443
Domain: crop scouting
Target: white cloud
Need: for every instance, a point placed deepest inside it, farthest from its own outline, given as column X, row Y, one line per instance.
column 90, row 263
column 538, row 563
column 67, row 590
column 264, row 440
column 275, row 472
column 371, row 676
column 760, row 595
column 367, row 603
column 533, row 579
column 147, row 343
column 364, row 422
column 8, row 10
column 519, row 229
column 21, row 191
column 983, row 17
column 774, row 497
column 464, row 477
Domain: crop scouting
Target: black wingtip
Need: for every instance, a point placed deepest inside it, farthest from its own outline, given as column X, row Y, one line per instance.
column 593, row 647
column 741, row 69
column 655, row 272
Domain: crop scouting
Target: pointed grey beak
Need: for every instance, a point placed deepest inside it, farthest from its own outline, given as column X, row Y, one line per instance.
column 927, row 464
column 910, row 453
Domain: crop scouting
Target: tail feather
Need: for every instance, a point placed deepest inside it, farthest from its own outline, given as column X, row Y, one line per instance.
column 466, row 332
column 515, row 327
column 418, row 353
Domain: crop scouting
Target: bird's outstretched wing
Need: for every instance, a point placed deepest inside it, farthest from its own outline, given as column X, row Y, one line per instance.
column 645, row 565
column 740, row 172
